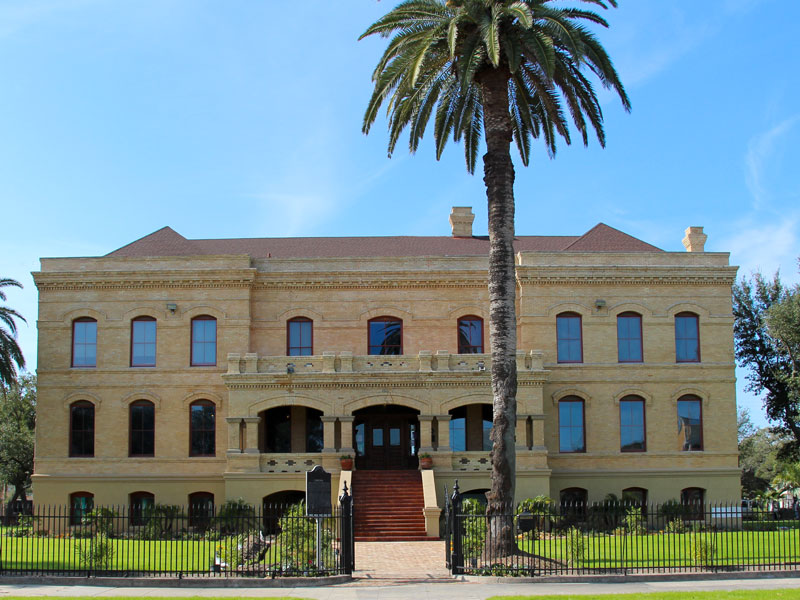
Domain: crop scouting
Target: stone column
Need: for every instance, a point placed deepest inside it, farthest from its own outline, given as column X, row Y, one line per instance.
column 234, row 443
column 251, row 434
column 347, row 435
column 443, row 433
column 521, row 432
column 328, row 434
column 538, row 433
column 425, row 437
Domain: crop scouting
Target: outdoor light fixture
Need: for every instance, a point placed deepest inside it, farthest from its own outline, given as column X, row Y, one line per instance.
column 599, row 303
column 172, row 307
column 290, row 368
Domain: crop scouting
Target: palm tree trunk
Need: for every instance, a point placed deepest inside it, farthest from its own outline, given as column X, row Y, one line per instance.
column 499, row 180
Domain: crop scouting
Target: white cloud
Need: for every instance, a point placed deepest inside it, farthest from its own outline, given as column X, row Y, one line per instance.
column 760, row 154
column 766, row 247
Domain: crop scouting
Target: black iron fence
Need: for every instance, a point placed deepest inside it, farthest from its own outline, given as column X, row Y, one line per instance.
column 546, row 538
column 234, row 540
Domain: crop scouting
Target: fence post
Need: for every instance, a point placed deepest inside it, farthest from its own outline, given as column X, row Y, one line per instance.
column 457, row 557
column 448, row 538
column 347, row 550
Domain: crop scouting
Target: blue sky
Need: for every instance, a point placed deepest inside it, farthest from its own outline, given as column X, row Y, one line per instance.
column 240, row 119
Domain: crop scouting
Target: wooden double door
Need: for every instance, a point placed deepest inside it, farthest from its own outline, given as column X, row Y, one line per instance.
column 386, row 440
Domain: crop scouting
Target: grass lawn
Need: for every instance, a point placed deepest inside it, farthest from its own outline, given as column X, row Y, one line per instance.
column 664, row 550
column 717, row 595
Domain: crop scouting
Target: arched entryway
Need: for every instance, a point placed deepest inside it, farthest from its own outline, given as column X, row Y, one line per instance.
column 386, row 437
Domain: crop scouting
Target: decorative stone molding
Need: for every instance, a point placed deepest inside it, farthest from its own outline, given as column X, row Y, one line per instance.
column 140, row 395
column 77, row 396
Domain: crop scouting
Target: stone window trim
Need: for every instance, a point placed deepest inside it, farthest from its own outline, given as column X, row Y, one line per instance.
column 134, row 342
column 699, row 401
column 470, row 348
column 630, row 315
column 86, row 502
column 371, row 345
column 89, row 432
column 289, row 325
column 132, row 432
column 636, row 399
column 199, row 362
column 679, row 357
column 573, row 400
column 558, row 395
column 569, row 359
column 647, row 397
column 192, row 430
column 74, row 343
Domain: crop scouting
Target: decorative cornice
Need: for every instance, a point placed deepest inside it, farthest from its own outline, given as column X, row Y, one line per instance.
column 640, row 275
column 369, row 381
column 167, row 279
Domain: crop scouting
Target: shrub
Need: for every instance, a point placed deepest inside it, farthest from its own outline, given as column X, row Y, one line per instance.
column 236, row 516
column 675, row 526
column 95, row 552
column 161, row 521
column 576, row 546
column 474, row 522
column 703, row 548
column 606, row 515
column 634, row 521
column 298, row 538
column 101, row 520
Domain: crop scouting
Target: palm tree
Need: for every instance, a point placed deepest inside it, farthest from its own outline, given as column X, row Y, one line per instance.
column 10, row 352
column 509, row 69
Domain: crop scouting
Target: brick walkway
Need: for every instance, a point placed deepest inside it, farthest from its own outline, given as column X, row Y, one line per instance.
column 400, row 562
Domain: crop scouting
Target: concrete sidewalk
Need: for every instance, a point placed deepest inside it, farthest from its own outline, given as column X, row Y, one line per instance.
column 386, row 589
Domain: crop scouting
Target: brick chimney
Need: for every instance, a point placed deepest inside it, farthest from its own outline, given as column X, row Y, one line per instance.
column 461, row 219
column 695, row 240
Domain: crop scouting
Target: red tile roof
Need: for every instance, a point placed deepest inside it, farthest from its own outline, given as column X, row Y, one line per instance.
column 168, row 242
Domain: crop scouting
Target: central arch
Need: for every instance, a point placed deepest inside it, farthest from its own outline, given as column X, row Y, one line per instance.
column 386, row 437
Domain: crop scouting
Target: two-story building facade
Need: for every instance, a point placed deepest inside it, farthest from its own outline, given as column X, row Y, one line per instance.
column 176, row 370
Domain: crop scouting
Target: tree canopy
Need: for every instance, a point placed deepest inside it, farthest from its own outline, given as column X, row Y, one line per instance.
column 767, row 337
column 17, row 423
column 10, row 354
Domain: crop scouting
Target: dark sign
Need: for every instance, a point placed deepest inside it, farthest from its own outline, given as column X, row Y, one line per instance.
column 318, row 491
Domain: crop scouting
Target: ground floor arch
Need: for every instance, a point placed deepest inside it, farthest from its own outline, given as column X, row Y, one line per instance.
column 386, row 437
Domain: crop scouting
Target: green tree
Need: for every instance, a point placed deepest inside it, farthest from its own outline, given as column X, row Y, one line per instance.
column 766, row 331
column 10, row 353
column 758, row 456
column 17, row 422
column 503, row 70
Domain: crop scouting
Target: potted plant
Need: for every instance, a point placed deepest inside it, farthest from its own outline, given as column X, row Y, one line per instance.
column 425, row 461
column 347, row 462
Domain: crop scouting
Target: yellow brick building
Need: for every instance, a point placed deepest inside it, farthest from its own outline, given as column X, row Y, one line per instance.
column 182, row 370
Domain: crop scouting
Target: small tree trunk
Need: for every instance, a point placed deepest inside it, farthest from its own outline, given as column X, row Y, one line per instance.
column 499, row 180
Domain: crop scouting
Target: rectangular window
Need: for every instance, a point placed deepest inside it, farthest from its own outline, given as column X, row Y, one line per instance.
column 687, row 338
column 299, row 337
column 385, row 336
column 143, row 343
column 202, row 429
column 143, row 428
column 81, row 434
column 631, row 425
column 570, row 344
column 204, row 342
column 570, row 426
column 470, row 335
column 690, row 424
column 84, row 343
column 629, row 338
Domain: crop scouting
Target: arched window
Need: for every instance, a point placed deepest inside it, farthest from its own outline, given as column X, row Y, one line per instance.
column 142, row 419
column 80, row 504
column 299, row 337
column 201, row 509
column 569, row 338
column 140, row 505
column 687, row 337
column 202, row 428
column 693, row 500
column 385, row 335
column 143, row 342
column 629, row 337
column 470, row 335
column 287, row 424
column 690, row 423
column 632, row 437
column 635, row 496
column 81, row 429
column 204, row 341
column 84, row 342
column 571, row 425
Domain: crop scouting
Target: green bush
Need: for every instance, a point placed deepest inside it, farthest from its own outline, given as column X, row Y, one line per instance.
column 298, row 538
column 236, row 516
column 96, row 552
column 576, row 546
column 474, row 522
column 635, row 522
column 161, row 521
column 703, row 548
column 675, row 526
column 100, row 520
column 606, row 515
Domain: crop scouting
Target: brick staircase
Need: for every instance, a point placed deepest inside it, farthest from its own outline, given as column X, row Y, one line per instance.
column 387, row 506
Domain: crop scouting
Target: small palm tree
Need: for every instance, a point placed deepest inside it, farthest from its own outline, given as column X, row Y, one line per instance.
column 503, row 70
column 10, row 353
